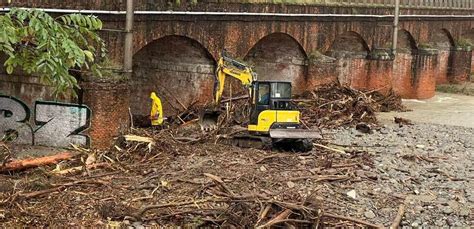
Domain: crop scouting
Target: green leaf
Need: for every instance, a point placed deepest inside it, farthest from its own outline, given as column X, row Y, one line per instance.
column 89, row 55
column 89, row 22
column 9, row 69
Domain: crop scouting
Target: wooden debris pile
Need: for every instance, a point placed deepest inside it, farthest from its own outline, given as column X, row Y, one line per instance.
column 177, row 182
column 179, row 176
column 327, row 107
column 333, row 106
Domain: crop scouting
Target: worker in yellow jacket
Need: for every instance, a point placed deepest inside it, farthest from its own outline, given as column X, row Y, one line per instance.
column 156, row 114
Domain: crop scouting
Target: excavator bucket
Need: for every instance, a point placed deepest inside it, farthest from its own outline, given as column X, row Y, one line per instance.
column 294, row 134
column 208, row 120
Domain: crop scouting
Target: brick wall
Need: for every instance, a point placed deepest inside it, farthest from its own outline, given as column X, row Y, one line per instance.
column 320, row 72
column 379, row 74
column 403, row 74
column 443, row 70
column 109, row 103
column 424, row 77
column 460, row 66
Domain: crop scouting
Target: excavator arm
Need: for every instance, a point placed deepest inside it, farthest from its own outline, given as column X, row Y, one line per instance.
column 230, row 67
column 226, row 66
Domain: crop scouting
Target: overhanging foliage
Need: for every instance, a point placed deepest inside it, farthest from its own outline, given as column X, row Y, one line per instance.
column 51, row 48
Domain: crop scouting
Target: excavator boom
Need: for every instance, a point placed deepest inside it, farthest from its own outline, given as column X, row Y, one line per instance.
column 226, row 66
column 230, row 67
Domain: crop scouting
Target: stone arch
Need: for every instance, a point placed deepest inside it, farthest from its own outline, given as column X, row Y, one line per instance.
column 143, row 40
column 279, row 56
column 349, row 44
column 406, row 43
column 179, row 69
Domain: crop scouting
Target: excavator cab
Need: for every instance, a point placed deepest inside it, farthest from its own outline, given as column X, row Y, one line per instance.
column 270, row 95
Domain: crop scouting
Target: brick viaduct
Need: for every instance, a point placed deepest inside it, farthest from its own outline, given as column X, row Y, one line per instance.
column 175, row 53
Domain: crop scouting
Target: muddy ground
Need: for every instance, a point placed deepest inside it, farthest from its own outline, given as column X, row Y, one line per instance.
column 350, row 179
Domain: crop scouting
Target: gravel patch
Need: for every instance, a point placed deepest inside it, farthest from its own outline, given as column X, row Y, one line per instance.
column 427, row 167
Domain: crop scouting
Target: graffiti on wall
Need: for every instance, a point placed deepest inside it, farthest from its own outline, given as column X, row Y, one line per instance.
column 54, row 124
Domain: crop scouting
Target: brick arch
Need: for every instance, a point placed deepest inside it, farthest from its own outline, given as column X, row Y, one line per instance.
column 265, row 34
column 406, row 42
column 350, row 51
column 178, row 68
column 279, row 56
column 349, row 43
column 441, row 39
column 143, row 39
column 469, row 35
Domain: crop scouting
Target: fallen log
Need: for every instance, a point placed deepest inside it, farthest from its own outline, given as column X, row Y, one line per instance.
column 332, row 149
column 35, row 162
column 144, row 209
column 59, row 187
column 319, row 178
column 398, row 218
column 278, row 219
column 263, row 213
column 79, row 168
column 220, row 182
column 235, row 98
column 40, row 192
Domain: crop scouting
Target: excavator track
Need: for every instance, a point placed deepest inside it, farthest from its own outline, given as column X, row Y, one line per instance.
column 249, row 141
column 268, row 143
column 294, row 145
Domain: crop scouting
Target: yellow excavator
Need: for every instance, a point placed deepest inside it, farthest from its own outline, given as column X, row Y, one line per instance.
column 274, row 120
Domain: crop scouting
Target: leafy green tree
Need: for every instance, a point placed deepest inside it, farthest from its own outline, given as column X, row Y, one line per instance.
column 51, row 48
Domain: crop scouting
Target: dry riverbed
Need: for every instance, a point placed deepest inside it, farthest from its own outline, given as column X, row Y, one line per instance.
column 428, row 167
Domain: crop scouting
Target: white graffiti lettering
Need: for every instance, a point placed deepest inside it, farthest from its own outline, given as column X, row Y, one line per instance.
column 55, row 124
column 63, row 121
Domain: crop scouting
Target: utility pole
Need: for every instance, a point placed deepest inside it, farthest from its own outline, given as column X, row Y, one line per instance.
column 395, row 28
column 128, row 46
